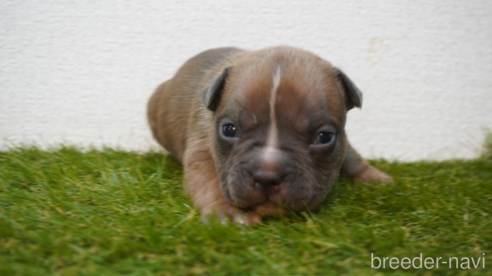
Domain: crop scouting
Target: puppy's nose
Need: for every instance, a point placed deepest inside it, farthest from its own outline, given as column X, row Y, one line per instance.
column 267, row 177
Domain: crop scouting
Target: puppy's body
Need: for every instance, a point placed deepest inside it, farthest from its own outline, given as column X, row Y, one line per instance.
column 258, row 132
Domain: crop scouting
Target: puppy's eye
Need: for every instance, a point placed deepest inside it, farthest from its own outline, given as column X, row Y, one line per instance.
column 324, row 138
column 229, row 131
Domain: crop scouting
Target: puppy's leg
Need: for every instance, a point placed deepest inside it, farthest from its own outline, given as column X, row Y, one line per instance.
column 203, row 184
column 357, row 168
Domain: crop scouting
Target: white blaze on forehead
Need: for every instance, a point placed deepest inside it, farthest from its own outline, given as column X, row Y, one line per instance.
column 272, row 139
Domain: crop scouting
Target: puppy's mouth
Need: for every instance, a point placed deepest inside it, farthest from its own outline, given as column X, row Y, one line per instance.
column 269, row 208
column 268, row 200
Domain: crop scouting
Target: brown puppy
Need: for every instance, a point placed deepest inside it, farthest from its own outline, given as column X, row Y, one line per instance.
column 258, row 132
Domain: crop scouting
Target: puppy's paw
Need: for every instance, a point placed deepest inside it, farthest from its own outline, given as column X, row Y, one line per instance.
column 230, row 213
column 373, row 175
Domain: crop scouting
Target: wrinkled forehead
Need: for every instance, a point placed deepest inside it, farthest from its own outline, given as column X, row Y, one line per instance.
column 297, row 95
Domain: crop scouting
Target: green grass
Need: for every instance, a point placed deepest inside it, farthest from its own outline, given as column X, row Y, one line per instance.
column 69, row 212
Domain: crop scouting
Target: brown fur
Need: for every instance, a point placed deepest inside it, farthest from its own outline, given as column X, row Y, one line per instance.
column 218, row 172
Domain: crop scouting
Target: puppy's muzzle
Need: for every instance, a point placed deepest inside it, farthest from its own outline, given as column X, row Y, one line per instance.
column 268, row 170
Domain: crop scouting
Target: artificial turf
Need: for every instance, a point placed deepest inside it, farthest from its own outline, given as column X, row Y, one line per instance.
column 107, row 212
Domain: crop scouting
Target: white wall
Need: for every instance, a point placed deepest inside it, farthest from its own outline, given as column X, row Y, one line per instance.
column 80, row 72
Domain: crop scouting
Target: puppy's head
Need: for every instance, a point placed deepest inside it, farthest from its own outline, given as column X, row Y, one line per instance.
column 279, row 139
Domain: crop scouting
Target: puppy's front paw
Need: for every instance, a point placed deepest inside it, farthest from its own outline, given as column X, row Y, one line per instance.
column 227, row 212
column 373, row 175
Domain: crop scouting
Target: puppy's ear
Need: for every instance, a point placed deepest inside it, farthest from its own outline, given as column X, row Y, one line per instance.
column 353, row 96
column 212, row 92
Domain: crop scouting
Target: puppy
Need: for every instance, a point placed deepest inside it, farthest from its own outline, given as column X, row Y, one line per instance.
column 258, row 132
